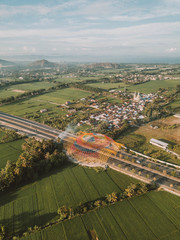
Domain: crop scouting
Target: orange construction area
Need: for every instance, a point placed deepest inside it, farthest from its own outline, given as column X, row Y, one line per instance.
column 91, row 147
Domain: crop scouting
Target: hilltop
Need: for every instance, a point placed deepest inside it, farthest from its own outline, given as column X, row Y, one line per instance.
column 43, row 63
column 5, row 63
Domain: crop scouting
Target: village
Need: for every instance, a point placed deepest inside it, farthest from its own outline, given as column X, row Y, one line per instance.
column 114, row 115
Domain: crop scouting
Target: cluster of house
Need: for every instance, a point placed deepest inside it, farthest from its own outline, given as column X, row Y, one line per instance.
column 115, row 114
column 136, row 78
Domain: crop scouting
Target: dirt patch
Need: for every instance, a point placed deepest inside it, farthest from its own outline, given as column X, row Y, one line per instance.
column 18, row 91
column 169, row 121
column 168, row 128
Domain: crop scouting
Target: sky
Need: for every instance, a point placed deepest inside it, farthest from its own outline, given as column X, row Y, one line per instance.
column 96, row 30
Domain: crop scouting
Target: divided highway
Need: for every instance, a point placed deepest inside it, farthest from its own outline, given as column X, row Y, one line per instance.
column 139, row 168
column 28, row 127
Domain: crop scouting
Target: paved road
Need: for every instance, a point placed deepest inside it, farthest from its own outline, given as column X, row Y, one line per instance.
column 28, row 127
column 131, row 164
column 144, row 162
column 140, row 171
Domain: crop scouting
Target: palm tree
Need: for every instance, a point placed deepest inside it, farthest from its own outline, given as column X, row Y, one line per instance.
column 130, row 190
column 111, row 198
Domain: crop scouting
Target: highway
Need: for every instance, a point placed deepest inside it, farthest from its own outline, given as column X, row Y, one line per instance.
column 131, row 164
column 28, row 127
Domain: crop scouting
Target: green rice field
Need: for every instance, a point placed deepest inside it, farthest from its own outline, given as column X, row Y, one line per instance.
column 108, row 86
column 30, row 106
column 37, row 203
column 63, row 95
column 148, row 87
column 49, row 101
column 10, row 151
column 18, row 89
column 5, row 93
column 32, row 86
column 153, row 86
column 159, row 218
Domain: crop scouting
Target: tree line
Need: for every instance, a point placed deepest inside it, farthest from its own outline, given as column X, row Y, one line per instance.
column 9, row 135
column 86, row 87
column 132, row 190
column 37, row 158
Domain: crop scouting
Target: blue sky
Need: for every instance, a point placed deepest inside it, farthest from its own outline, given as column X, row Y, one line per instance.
column 118, row 30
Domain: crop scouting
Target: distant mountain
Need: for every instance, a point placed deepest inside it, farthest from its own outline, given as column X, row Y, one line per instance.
column 5, row 63
column 43, row 64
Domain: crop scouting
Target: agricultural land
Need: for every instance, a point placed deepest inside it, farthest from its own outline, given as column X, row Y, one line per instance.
column 43, row 195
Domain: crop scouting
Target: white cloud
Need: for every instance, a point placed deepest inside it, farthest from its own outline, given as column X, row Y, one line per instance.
column 171, row 50
column 143, row 30
column 7, row 10
column 129, row 18
column 44, row 21
column 29, row 49
column 25, row 48
column 33, row 49
column 146, row 38
column 93, row 18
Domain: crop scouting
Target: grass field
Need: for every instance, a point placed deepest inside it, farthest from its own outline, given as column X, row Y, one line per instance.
column 175, row 106
column 37, row 203
column 5, row 93
column 68, row 79
column 30, row 106
column 159, row 218
column 10, row 151
column 107, row 86
column 148, row 87
column 13, row 90
column 32, row 86
column 153, row 86
column 48, row 101
column 63, row 95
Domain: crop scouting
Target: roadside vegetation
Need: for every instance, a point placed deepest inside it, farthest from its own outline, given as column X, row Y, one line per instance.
column 7, row 135
column 36, row 158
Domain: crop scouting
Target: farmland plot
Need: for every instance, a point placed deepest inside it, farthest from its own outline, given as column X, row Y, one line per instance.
column 10, row 151
column 156, row 220
column 37, row 203
column 134, row 219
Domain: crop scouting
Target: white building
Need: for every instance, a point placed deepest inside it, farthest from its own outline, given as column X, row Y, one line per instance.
column 43, row 110
column 137, row 97
column 177, row 115
column 159, row 143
